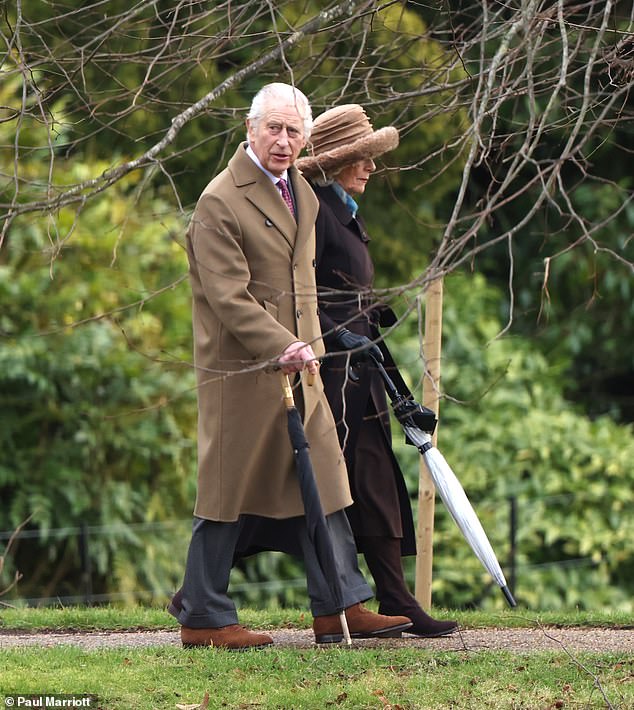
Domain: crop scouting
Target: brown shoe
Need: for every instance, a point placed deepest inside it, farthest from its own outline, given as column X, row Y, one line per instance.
column 363, row 624
column 234, row 637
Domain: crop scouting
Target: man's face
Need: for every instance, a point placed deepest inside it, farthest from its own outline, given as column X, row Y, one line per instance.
column 278, row 138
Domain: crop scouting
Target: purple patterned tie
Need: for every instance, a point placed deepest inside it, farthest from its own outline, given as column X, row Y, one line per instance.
column 286, row 195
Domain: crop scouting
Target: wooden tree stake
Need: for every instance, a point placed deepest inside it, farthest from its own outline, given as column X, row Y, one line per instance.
column 426, row 491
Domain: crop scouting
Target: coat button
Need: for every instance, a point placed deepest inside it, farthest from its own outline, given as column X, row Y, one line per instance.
column 298, row 313
column 314, row 263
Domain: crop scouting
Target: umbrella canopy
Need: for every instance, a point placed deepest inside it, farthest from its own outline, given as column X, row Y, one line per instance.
column 318, row 532
column 418, row 424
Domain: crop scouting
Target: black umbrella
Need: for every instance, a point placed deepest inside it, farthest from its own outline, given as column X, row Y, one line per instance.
column 318, row 532
column 418, row 423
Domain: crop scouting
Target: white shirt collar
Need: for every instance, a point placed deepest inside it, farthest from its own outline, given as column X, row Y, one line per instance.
column 256, row 160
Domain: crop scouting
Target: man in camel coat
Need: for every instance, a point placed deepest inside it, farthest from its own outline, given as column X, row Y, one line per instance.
column 251, row 248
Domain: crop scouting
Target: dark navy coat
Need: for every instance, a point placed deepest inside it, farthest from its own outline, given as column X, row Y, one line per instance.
column 345, row 274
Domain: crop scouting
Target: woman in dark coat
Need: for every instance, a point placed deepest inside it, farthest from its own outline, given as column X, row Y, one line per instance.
column 343, row 145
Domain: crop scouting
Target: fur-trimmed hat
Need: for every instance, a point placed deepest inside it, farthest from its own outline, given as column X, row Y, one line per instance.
column 343, row 135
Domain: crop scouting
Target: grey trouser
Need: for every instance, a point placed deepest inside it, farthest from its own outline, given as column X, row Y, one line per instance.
column 206, row 603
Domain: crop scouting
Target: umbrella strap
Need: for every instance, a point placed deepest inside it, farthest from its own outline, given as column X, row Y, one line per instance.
column 425, row 447
column 394, row 372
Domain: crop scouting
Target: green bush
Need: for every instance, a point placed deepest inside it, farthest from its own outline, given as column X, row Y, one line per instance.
column 97, row 398
column 506, row 431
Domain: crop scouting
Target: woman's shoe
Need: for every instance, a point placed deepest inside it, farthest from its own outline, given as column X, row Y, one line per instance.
column 422, row 624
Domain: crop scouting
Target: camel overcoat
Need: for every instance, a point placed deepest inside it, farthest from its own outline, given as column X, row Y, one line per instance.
column 252, row 273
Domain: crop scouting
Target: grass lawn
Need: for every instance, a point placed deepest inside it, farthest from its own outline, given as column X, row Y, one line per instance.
column 165, row 677
column 115, row 617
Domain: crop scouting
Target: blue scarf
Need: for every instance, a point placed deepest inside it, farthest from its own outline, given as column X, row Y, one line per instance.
column 345, row 198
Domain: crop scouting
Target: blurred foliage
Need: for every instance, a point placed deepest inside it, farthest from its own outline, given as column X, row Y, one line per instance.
column 97, row 399
column 570, row 266
column 580, row 304
column 405, row 209
column 105, row 119
column 506, row 430
column 97, row 396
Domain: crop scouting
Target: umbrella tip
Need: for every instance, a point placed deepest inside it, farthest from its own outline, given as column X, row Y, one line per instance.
column 509, row 597
column 344, row 628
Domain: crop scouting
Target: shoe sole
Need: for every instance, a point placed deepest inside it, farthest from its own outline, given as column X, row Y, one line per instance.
column 448, row 632
column 391, row 632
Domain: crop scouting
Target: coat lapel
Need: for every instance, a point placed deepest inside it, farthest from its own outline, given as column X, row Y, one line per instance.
column 307, row 209
column 262, row 193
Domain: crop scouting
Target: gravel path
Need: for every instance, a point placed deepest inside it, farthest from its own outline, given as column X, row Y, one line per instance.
column 516, row 640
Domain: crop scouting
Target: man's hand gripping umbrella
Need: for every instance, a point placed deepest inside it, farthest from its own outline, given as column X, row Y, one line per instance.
column 315, row 519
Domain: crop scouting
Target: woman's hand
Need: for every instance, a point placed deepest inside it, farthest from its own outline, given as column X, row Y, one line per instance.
column 361, row 348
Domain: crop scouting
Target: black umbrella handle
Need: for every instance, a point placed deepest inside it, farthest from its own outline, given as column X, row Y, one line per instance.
column 408, row 411
column 390, row 387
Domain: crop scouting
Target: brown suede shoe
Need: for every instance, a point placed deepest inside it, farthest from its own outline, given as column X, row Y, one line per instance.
column 363, row 624
column 234, row 637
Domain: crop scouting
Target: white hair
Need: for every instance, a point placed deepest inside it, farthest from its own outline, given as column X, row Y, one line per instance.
column 280, row 93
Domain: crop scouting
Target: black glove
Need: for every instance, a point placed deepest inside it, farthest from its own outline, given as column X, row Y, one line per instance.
column 364, row 350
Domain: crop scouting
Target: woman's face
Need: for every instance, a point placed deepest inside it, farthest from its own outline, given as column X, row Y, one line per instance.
column 354, row 178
